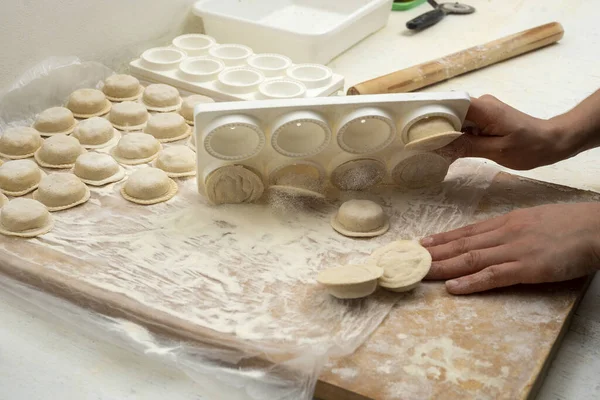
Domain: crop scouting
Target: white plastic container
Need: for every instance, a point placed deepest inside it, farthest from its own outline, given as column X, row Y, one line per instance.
column 308, row 31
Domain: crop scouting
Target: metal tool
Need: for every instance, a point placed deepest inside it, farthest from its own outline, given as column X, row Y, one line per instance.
column 437, row 14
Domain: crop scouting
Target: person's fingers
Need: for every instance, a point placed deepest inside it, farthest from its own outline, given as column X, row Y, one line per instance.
column 466, row 231
column 469, row 145
column 465, row 244
column 494, row 276
column 469, row 263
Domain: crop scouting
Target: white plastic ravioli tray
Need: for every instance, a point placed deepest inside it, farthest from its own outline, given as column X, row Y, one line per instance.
column 230, row 72
column 323, row 133
column 308, row 31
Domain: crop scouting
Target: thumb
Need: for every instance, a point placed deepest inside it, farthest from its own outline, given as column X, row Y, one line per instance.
column 468, row 145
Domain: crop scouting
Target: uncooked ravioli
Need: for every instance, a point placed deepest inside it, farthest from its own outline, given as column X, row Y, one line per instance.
column 136, row 148
column 19, row 177
column 168, row 127
column 162, row 98
column 87, row 103
column 60, row 191
column 430, row 133
column 177, row 161
column 54, row 121
column 128, row 116
column 97, row 169
column 360, row 218
column 148, row 186
column 59, row 152
column 122, row 87
column 96, row 133
column 233, row 184
column 187, row 107
column 21, row 142
column 25, row 218
column 350, row 281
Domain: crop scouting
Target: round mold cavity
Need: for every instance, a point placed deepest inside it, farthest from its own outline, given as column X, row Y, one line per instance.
column 415, row 170
column 163, row 58
column 270, row 64
column 241, row 80
column 432, row 110
column 311, row 75
column 233, row 137
column 300, row 134
column 201, row 68
column 349, row 172
column 279, row 168
column 194, row 44
column 231, row 54
column 282, row 89
column 366, row 130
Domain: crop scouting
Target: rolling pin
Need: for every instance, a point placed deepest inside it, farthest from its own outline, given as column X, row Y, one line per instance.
column 464, row 61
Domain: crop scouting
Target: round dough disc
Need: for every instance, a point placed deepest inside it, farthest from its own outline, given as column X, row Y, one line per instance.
column 19, row 177
column 98, row 169
column 25, row 218
column 162, row 98
column 233, row 184
column 420, row 170
column 96, row 133
column 149, row 186
column 168, row 127
column 60, row 191
column 350, row 281
column 128, row 116
column 187, row 107
column 59, row 151
column 122, row 87
column 177, row 161
column 358, row 174
column 360, row 218
column 136, row 148
column 430, row 133
column 55, row 121
column 405, row 263
column 87, row 103
column 21, row 142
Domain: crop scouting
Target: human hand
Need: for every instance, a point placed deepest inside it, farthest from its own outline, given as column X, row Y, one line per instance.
column 547, row 243
column 509, row 137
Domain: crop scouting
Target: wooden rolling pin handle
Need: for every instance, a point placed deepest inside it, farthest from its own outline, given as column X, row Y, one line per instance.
column 464, row 61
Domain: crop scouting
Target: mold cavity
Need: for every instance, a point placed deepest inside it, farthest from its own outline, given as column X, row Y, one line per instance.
column 300, row 138
column 429, row 126
column 193, row 42
column 163, row 56
column 240, row 77
column 365, row 135
column 201, row 66
column 234, row 141
column 233, row 52
column 358, row 174
column 269, row 62
column 282, row 89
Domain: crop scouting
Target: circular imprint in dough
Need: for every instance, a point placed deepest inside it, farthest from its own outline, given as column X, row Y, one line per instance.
column 420, row 170
column 136, row 148
column 358, row 174
column 161, row 97
column 148, row 186
column 19, row 177
column 59, row 152
column 187, row 107
column 360, row 218
column 21, row 142
column 405, row 263
column 55, row 121
column 122, row 88
column 430, row 133
column 87, row 103
column 233, row 184
column 25, row 218
column 168, row 127
column 61, row 191
column 3, row 200
column 177, row 161
column 96, row 133
column 298, row 180
column 350, row 281
column 98, row 169
column 128, row 116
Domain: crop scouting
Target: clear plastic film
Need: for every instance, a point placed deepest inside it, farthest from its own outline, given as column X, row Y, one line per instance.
column 227, row 294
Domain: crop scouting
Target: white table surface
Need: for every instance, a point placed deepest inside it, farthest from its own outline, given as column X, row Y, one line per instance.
column 42, row 358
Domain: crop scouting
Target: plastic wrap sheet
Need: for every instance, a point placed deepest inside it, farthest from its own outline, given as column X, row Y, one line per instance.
column 242, row 274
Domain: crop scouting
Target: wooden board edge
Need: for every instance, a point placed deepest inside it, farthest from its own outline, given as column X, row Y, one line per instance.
column 328, row 391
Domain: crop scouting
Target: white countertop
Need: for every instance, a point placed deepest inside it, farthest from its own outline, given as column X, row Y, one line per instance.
column 42, row 358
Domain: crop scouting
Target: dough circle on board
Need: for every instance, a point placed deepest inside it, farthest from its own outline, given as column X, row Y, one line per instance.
column 188, row 104
column 3, row 200
column 358, row 174
column 55, row 121
column 87, row 103
column 168, row 127
column 430, row 133
column 148, row 186
column 177, row 161
column 298, row 180
column 420, row 170
column 25, row 218
column 122, row 87
column 98, row 169
column 19, row 177
column 136, row 148
column 128, row 116
column 96, row 133
column 350, row 281
column 21, row 142
column 61, row 191
column 405, row 263
column 233, row 184
column 59, row 152
column 162, row 98
column 360, row 218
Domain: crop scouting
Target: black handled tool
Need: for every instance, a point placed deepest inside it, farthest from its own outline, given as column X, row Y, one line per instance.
column 437, row 14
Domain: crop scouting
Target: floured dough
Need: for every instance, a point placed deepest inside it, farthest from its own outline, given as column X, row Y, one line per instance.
column 96, row 133
column 136, row 148
column 87, row 103
column 25, row 218
column 60, row 191
column 420, row 170
column 191, row 143
column 168, row 127
column 59, row 152
column 358, row 174
column 128, row 116
column 98, row 169
column 350, row 281
column 161, row 97
column 21, row 142
column 122, row 88
column 177, row 161
column 430, row 134
column 360, row 218
column 3, row 200
column 298, row 180
column 54, row 121
column 405, row 263
column 19, row 177
column 148, row 186
column 187, row 107
column 233, row 184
